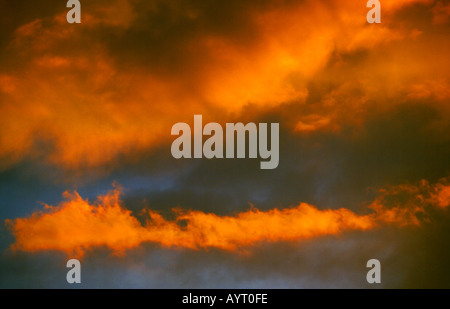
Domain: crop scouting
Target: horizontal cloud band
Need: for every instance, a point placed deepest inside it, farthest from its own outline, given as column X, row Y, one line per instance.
column 76, row 226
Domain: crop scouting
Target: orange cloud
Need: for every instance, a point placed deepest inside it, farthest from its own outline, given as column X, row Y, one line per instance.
column 441, row 195
column 68, row 89
column 312, row 123
column 437, row 89
column 76, row 226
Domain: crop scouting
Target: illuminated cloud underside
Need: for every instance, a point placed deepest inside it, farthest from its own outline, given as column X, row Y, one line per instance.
column 76, row 226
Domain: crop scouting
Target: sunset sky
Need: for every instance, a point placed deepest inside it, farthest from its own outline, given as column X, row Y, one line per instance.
column 86, row 169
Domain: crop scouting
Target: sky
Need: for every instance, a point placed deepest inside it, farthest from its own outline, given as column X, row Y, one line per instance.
column 86, row 169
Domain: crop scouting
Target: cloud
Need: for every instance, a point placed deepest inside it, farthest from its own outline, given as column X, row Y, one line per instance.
column 312, row 123
column 113, row 86
column 76, row 226
column 360, row 106
column 436, row 89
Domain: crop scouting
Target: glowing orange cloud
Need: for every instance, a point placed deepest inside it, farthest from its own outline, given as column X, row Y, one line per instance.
column 76, row 226
column 442, row 196
column 88, row 108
